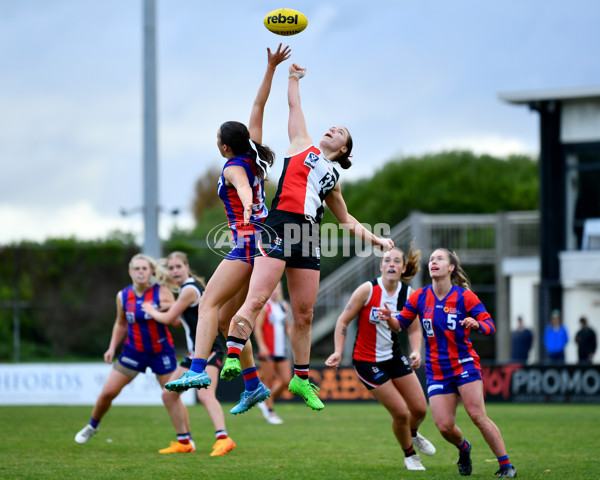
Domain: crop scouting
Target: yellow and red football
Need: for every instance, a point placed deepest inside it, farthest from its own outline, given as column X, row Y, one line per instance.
column 285, row 21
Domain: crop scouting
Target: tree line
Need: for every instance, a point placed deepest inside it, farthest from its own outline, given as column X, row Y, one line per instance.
column 65, row 289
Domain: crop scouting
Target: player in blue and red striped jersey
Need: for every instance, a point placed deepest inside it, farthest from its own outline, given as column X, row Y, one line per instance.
column 147, row 342
column 378, row 360
column 241, row 190
column 448, row 310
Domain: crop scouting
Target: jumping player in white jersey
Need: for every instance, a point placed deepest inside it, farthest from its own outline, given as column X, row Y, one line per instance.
column 378, row 360
column 309, row 178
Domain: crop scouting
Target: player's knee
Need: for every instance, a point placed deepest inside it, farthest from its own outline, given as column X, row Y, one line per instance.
column 205, row 397
column 257, row 303
column 401, row 417
column 304, row 315
column 419, row 412
column 107, row 396
column 169, row 398
column 478, row 419
column 445, row 428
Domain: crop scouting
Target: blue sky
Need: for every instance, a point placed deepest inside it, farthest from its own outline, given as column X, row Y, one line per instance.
column 406, row 78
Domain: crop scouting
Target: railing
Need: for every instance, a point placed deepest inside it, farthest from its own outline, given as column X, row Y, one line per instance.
column 478, row 239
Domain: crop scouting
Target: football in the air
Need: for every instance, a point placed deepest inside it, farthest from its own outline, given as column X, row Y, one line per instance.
column 285, row 21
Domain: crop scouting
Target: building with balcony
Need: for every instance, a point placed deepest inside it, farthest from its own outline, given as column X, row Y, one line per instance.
column 539, row 261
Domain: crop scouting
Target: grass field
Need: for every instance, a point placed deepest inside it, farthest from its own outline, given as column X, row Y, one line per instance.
column 345, row 441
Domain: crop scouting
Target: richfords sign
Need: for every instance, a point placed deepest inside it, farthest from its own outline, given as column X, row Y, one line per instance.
column 540, row 384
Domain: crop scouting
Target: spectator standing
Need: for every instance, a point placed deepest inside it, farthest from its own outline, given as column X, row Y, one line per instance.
column 586, row 342
column 522, row 339
column 555, row 339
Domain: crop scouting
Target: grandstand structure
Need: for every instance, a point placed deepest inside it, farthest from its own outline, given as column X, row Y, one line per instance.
column 483, row 240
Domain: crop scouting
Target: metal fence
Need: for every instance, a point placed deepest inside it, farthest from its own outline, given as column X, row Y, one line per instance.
column 477, row 239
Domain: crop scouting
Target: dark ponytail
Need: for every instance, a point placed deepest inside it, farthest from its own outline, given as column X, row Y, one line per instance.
column 344, row 158
column 237, row 137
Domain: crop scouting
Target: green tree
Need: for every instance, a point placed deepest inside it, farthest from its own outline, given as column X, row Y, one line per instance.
column 447, row 182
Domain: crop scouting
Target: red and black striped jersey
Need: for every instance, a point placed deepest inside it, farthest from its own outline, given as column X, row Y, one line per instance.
column 375, row 341
column 306, row 180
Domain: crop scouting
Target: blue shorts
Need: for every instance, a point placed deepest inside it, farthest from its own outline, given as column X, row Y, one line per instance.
column 450, row 385
column 160, row 363
column 244, row 249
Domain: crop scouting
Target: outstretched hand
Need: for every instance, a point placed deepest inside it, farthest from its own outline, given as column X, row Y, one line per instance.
column 279, row 56
column 386, row 244
column 334, row 360
column 297, row 70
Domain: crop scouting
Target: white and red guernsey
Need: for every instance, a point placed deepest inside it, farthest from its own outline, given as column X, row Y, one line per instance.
column 306, row 180
column 274, row 328
column 375, row 342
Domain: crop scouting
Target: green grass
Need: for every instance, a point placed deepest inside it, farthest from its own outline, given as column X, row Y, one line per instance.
column 344, row 441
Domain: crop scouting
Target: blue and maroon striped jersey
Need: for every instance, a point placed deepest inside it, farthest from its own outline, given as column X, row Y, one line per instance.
column 232, row 203
column 144, row 334
column 447, row 346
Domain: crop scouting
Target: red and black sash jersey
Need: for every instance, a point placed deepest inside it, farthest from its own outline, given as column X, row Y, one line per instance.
column 375, row 341
column 306, row 180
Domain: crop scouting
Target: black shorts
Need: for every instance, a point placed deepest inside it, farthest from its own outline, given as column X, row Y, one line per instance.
column 374, row 374
column 277, row 359
column 292, row 238
column 215, row 358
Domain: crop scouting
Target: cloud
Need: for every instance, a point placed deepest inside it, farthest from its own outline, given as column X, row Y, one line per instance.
column 81, row 220
column 408, row 77
column 495, row 145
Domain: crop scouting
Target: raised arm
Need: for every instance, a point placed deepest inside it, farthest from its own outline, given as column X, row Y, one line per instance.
column 297, row 132
column 336, row 204
column 356, row 302
column 255, row 126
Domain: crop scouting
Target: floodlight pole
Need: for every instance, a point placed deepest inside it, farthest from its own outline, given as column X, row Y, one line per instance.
column 152, row 245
